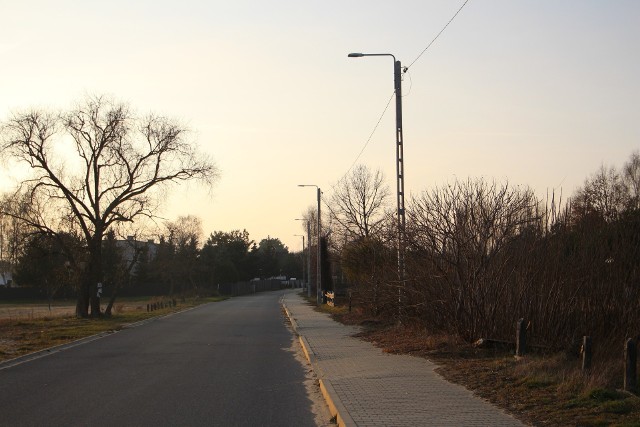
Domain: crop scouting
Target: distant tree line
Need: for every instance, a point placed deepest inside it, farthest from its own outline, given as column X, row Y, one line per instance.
column 184, row 265
column 175, row 263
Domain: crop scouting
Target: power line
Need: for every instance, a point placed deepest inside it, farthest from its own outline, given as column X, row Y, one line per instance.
column 441, row 31
column 389, row 102
column 368, row 139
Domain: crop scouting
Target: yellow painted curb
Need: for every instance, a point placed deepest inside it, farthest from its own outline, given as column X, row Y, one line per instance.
column 304, row 347
column 335, row 408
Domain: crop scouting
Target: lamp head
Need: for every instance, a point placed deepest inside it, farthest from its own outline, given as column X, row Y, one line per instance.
column 355, row 55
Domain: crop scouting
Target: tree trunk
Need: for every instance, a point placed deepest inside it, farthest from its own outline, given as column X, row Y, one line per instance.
column 112, row 300
column 82, row 304
column 95, row 274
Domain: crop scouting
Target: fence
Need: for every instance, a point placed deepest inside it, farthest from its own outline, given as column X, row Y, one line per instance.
column 522, row 346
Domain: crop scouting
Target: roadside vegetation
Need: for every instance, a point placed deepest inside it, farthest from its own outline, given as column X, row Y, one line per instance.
column 480, row 255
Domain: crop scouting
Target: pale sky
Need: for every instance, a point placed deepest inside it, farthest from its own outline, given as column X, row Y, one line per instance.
column 540, row 93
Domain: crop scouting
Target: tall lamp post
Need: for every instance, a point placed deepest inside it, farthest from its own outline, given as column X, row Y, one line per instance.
column 308, row 255
column 397, row 80
column 302, row 235
column 319, row 273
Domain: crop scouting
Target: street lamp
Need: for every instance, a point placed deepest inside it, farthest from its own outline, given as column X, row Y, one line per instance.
column 308, row 255
column 319, row 273
column 397, row 73
column 302, row 235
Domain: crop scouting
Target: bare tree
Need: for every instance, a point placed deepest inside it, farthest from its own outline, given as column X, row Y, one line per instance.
column 358, row 202
column 96, row 166
column 603, row 196
column 460, row 236
column 631, row 180
column 13, row 235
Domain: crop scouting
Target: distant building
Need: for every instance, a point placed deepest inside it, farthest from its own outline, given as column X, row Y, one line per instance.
column 6, row 277
column 145, row 250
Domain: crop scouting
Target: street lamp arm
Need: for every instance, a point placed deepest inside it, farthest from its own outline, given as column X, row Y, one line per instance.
column 360, row 55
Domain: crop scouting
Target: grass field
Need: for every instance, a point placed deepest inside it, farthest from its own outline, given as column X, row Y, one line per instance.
column 22, row 309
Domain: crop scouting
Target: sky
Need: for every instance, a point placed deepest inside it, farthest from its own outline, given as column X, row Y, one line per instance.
column 539, row 93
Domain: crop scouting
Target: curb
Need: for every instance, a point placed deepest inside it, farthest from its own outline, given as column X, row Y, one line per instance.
column 336, row 408
column 343, row 419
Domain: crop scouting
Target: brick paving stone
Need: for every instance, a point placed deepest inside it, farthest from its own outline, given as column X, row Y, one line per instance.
column 380, row 389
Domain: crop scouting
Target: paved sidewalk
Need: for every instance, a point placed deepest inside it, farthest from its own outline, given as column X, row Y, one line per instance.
column 366, row 387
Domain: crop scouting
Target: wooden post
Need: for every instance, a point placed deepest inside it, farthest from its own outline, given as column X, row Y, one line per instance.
column 586, row 354
column 349, row 301
column 148, row 308
column 521, row 338
column 630, row 366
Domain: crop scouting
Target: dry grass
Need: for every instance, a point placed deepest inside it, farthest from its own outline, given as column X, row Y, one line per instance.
column 542, row 390
column 22, row 310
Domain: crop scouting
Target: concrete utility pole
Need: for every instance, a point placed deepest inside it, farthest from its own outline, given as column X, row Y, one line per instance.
column 309, row 259
column 302, row 235
column 319, row 260
column 397, row 86
column 308, row 255
column 319, row 297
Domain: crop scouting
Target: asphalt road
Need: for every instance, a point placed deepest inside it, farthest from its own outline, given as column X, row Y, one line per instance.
column 221, row 364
